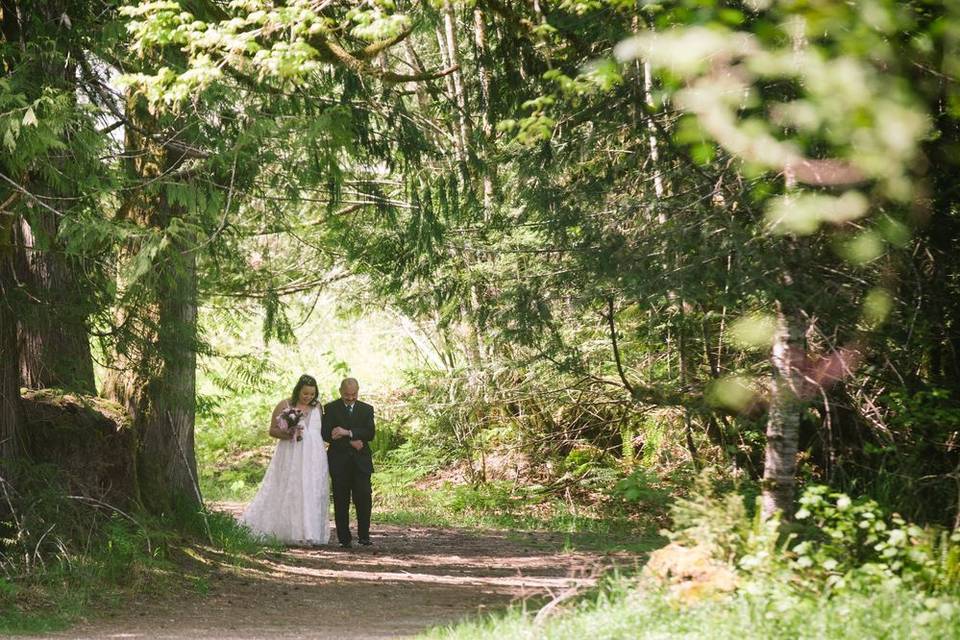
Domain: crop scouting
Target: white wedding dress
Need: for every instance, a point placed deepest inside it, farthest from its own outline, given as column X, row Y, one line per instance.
column 293, row 502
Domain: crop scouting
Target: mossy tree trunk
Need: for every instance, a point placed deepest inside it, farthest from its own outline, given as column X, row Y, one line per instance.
column 11, row 411
column 155, row 377
column 54, row 345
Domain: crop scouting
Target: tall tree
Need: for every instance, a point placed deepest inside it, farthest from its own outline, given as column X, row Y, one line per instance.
column 11, row 412
column 661, row 193
column 62, row 177
column 154, row 369
column 171, row 157
column 51, row 173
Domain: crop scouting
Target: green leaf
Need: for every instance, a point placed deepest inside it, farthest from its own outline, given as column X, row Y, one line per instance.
column 9, row 140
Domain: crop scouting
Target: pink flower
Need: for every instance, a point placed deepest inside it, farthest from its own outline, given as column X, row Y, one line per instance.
column 290, row 420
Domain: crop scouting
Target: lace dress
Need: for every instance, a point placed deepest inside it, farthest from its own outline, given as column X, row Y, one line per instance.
column 293, row 502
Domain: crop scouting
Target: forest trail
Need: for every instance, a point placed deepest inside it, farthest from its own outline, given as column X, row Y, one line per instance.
column 411, row 579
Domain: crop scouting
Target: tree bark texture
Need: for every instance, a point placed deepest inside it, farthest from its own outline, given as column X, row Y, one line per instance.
column 155, row 377
column 54, row 345
column 457, row 85
column 783, row 415
column 783, row 421
column 53, row 334
column 483, row 67
column 11, row 411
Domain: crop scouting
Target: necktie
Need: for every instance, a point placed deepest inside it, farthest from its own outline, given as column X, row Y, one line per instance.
column 350, row 409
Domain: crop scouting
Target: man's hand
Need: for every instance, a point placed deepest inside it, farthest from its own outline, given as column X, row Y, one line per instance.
column 356, row 444
column 339, row 432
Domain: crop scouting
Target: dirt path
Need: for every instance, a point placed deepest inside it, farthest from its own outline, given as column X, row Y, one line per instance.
column 411, row 579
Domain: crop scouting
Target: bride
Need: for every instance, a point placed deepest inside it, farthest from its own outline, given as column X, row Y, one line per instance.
column 292, row 504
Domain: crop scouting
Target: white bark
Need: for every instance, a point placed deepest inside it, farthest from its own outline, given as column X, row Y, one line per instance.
column 783, row 421
column 489, row 173
column 459, row 92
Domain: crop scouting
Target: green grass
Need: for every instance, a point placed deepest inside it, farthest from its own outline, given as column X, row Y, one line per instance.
column 80, row 571
column 233, row 448
column 626, row 611
column 232, row 457
column 903, row 585
column 402, row 496
column 583, row 529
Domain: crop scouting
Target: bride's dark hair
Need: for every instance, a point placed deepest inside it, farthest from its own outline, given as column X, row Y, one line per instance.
column 304, row 381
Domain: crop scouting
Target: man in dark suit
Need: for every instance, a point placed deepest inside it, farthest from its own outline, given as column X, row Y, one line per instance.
column 348, row 427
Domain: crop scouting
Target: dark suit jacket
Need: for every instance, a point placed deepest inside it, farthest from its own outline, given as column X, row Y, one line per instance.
column 341, row 455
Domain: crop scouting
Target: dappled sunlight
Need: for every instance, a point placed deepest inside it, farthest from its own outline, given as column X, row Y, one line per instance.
column 504, row 583
column 421, row 575
column 604, row 276
column 444, row 556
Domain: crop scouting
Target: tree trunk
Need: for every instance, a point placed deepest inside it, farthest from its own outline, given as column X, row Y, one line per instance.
column 54, row 339
column 11, row 411
column 455, row 131
column 783, row 418
column 658, row 186
column 167, row 466
column 54, row 346
column 684, row 381
column 155, row 375
column 423, row 100
column 459, row 90
column 783, row 422
column 483, row 67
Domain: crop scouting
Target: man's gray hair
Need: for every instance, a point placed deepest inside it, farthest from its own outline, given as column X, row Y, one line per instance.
column 350, row 382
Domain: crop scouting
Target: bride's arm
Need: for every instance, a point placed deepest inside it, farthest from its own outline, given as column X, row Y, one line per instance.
column 275, row 429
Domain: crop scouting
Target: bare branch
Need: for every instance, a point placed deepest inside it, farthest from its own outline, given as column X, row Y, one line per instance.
column 616, row 349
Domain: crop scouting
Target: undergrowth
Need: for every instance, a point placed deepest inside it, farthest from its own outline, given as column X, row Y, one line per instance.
column 844, row 569
column 407, row 491
column 64, row 556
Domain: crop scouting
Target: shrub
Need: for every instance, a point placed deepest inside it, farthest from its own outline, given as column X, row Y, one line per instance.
column 837, row 544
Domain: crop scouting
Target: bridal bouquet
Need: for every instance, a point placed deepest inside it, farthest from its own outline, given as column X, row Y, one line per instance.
column 289, row 419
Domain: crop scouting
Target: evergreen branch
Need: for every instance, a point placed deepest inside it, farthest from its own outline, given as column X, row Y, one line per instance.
column 186, row 150
column 111, row 128
column 371, row 50
column 528, row 27
column 226, row 212
column 646, row 395
column 30, row 195
column 346, row 210
column 517, row 22
column 361, row 67
column 296, row 287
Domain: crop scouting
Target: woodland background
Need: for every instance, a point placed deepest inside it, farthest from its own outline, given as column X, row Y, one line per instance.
column 601, row 266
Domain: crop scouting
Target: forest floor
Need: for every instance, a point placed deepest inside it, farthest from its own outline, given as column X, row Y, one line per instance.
column 411, row 579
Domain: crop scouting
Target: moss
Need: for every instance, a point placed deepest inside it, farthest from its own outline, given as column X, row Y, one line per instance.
column 89, row 440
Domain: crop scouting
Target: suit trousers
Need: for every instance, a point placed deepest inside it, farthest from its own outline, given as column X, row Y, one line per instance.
column 350, row 481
